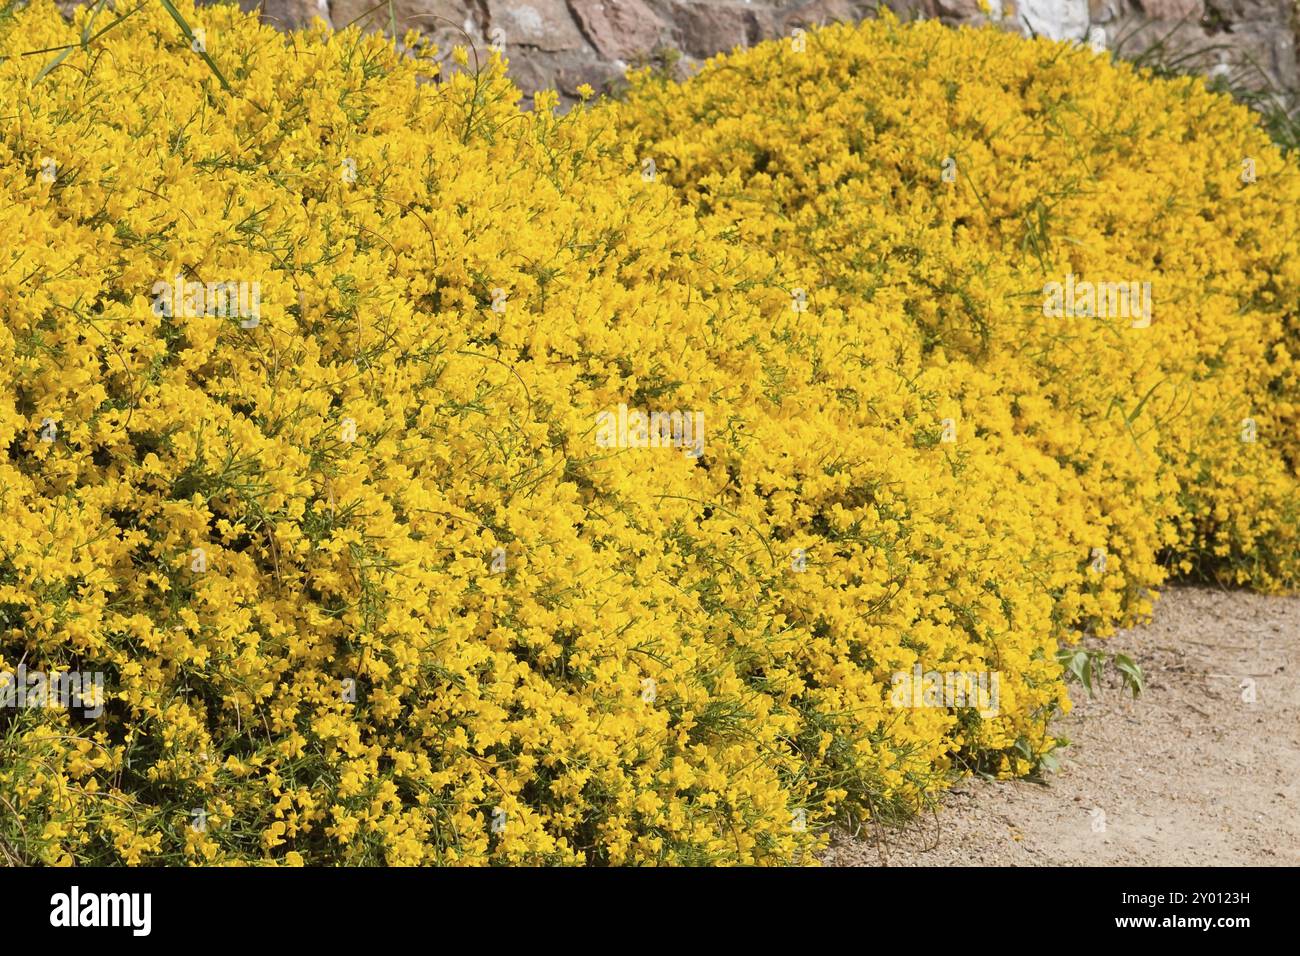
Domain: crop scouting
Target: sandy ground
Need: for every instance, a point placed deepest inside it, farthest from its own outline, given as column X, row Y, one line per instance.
column 1192, row 773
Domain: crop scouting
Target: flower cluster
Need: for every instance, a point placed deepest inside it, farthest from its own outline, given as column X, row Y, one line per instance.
column 306, row 356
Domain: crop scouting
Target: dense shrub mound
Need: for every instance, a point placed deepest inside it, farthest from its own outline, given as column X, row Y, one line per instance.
column 319, row 386
column 972, row 169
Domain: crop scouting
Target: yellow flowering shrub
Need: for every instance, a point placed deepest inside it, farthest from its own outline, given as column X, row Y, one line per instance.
column 307, row 362
column 970, row 169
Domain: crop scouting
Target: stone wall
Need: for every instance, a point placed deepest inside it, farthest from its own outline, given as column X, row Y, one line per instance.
column 564, row 43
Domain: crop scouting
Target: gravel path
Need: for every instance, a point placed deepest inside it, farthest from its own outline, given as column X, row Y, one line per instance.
column 1201, row 770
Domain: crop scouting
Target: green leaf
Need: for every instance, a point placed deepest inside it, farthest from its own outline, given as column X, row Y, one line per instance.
column 1132, row 673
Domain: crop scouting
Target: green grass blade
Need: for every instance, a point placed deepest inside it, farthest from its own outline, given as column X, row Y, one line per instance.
column 189, row 35
column 49, row 67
